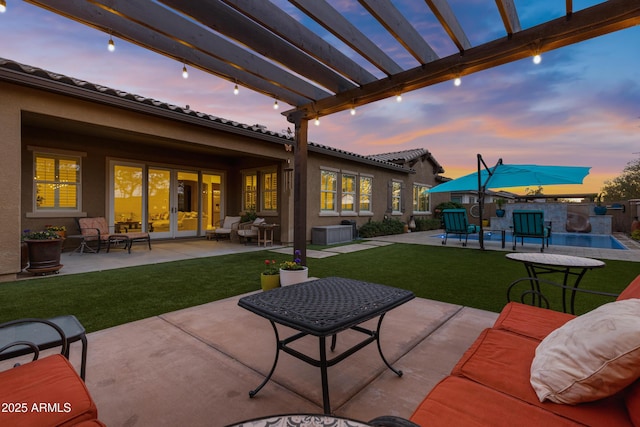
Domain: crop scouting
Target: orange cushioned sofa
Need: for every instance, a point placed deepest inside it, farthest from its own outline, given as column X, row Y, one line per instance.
column 491, row 385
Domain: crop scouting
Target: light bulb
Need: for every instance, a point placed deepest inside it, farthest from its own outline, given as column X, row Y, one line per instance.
column 275, row 104
column 185, row 73
column 3, row 6
column 399, row 98
column 112, row 46
column 457, row 81
column 317, row 121
column 537, row 59
column 353, row 111
column 235, row 90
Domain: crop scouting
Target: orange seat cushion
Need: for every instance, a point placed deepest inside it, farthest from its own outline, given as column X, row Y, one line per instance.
column 457, row 401
column 631, row 291
column 501, row 360
column 49, row 392
column 533, row 322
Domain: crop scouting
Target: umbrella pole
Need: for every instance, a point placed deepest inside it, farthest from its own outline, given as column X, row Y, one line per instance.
column 480, row 203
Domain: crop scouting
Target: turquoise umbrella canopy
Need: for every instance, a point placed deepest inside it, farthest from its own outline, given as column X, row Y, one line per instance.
column 505, row 175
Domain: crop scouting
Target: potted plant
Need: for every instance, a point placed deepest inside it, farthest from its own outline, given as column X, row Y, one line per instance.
column 599, row 209
column 292, row 272
column 270, row 277
column 499, row 204
column 60, row 230
column 44, row 248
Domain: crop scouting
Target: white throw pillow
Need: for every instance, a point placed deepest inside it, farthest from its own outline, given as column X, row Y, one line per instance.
column 590, row 357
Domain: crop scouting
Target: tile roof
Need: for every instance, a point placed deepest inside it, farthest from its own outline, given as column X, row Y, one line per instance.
column 37, row 77
column 405, row 156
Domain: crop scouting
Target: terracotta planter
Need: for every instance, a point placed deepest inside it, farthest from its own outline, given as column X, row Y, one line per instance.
column 44, row 255
column 269, row 281
column 291, row 277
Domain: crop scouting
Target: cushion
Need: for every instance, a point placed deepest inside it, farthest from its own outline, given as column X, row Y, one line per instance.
column 50, row 380
column 457, row 401
column 591, row 357
column 530, row 321
column 633, row 403
column 631, row 291
column 229, row 221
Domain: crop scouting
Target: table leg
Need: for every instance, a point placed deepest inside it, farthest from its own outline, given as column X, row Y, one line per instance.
column 324, row 376
column 275, row 362
column 395, row 371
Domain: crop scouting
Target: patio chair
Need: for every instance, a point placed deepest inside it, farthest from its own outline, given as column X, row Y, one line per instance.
column 528, row 223
column 457, row 222
column 228, row 227
column 249, row 230
column 97, row 229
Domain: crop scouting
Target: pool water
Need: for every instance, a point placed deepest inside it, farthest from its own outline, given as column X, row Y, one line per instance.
column 559, row 239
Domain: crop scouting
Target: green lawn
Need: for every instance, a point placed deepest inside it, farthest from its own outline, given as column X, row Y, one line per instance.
column 461, row 276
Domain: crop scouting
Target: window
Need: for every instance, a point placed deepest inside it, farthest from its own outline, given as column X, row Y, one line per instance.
column 328, row 190
column 250, row 192
column 396, row 196
column 270, row 191
column 366, row 185
column 348, row 193
column 56, row 182
column 420, row 198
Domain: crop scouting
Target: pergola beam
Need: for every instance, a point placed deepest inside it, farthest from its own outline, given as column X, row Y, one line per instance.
column 509, row 16
column 449, row 22
column 604, row 18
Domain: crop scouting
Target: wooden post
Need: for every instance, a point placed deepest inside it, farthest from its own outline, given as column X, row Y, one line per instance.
column 300, row 186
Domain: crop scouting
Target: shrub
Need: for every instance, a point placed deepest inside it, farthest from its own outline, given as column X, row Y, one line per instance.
column 446, row 205
column 425, row 224
column 635, row 235
column 381, row 228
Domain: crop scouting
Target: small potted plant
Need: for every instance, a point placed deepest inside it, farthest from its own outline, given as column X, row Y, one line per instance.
column 270, row 277
column 45, row 248
column 60, row 230
column 292, row 272
column 499, row 204
column 599, row 209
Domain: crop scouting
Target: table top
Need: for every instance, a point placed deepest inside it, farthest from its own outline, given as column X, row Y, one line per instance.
column 556, row 260
column 301, row 421
column 325, row 306
column 41, row 334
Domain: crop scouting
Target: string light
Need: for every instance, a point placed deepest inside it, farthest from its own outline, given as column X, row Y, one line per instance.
column 3, row 6
column 537, row 59
column 275, row 104
column 185, row 73
column 399, row 98
column 317, row 121
column 353, row 111
column 111, row 46
column 236, row 90
column 457, row 81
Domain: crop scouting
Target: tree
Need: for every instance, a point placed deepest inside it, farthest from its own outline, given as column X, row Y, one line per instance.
column 627, row 185
column 534, row 191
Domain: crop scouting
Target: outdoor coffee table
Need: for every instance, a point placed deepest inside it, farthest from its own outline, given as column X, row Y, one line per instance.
column 541, row 263
column 322, row 308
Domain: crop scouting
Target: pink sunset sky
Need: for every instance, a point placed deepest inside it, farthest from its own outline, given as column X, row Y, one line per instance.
column 580, row 106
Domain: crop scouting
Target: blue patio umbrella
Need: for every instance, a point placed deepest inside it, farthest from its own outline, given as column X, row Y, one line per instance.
column 506, row 175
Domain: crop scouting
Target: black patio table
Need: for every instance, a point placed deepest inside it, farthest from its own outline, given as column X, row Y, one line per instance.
column 322, row 308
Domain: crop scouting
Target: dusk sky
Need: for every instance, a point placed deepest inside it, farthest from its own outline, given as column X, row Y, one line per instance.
column 580, row 106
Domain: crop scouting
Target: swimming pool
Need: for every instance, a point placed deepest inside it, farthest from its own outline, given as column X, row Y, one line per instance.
column 601, row 241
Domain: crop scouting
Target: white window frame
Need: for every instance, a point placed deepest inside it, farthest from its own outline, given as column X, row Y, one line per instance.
column 354, row 193
column 255, row 191
column 361, row 211
column 56, row 212
column 419, row 187
column 335, row 172
column 392, row 188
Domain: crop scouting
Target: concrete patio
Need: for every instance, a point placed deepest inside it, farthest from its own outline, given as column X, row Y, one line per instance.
column 195, row 367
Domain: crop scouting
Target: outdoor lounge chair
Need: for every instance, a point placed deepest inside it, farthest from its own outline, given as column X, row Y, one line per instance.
column 249, row 230
column 528, row 223
column 227, row 228
column 457, row 222
column 97, row 229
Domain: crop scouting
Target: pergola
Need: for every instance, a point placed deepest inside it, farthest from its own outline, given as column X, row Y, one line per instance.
column 261, row 46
